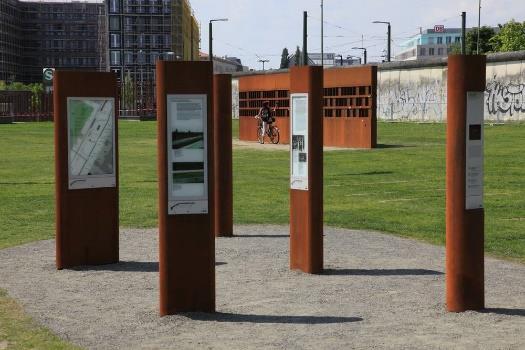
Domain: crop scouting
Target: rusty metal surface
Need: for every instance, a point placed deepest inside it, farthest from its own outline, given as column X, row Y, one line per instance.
column 87, row 221
column 186, row 242
column 464, row 228
column 339, row 131
column 353, row 132
column 222, row 112
column 306, row 207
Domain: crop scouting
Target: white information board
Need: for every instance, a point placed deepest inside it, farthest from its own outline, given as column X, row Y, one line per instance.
column 474, row 151
column 187, row 154
column 91, row 142
column 299, row 142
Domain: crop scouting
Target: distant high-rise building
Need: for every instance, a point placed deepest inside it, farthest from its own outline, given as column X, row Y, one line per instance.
column 60, row 35
column 431, row 43
column 39, row 34
column 124, row 36
column 11, row 40
column 142, row 31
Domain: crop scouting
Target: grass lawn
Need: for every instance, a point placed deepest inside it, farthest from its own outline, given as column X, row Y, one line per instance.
column 398, row 188
column 18, row 331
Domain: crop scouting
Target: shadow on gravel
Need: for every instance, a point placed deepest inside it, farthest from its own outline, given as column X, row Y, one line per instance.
column 129, row 266
column 503, row 311
column 244, row 318
column 381, row 272
column 261, row 236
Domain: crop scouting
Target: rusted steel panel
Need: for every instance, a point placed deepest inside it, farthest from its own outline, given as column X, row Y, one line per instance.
column 87, row 221
column 350, row 100
column 464, row 228
column 222, row 113
column 186, row 242
column 306, row 207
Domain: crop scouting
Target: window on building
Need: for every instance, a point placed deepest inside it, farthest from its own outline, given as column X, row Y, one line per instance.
column 115, row 58
column 115, row 41
column 422, row 51
column 154, row 57
column 141, row 57
column 128, row 57
column 440, row 40
column 457, row 39
column 440, row 51
column 431, row 40
column 114, row 6
column 449, row 40
column 431, row 51
column 114, row 23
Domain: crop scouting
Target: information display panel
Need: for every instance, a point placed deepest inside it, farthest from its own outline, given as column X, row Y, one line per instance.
column 474, row 151
column 91, row 142
column 187, row 154
column 299, row 149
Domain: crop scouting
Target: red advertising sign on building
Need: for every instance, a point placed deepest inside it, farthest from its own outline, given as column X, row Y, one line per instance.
column 439, row 28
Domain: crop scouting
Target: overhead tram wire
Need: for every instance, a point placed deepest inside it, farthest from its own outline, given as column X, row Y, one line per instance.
column 250, row 54
column 335, row 25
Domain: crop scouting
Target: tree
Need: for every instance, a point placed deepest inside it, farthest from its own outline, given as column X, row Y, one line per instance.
column 485, row 34
column 455, row 49
column 471, row 45
column 285, row 59
column 128, row 93
column 298, row 57
column 511, row 37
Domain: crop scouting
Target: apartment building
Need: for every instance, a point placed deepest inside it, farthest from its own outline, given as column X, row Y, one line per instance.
column 39, row 34
column 143, row 31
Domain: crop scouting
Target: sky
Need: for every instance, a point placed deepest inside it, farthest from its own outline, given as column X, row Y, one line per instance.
column 260, row 29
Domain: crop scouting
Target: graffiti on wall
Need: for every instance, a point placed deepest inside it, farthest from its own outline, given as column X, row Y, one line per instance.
column 504, row 100
column 422, row 100
column 235, row 99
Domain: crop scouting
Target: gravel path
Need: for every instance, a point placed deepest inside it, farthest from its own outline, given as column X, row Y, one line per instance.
column 268, row 146
column 379, row 291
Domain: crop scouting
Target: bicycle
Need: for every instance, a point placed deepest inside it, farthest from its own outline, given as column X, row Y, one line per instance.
column 272, row 132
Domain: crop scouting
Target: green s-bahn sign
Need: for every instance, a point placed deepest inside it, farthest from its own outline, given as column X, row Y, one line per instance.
column 47, row 76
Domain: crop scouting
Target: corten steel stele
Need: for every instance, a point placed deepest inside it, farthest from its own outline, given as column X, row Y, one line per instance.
column 222, row 112
column 359, row 131
column 355, row 132
column 306, row 207
column 464, row 228
column 87, row 220
column 186, row 242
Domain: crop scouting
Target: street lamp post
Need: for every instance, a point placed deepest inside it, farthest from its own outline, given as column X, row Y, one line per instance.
column 364, row 52
column 388, row 55
column 479, row 26
column 322, row 33
column 341, row 56
column 263, row 62
column 141, row 59
column 211, row 33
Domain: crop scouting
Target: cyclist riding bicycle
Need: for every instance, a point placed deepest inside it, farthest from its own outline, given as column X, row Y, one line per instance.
column 265, row 115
